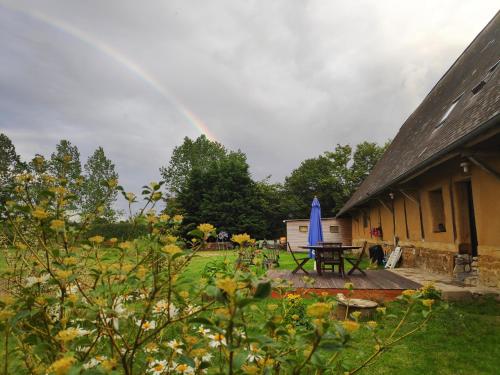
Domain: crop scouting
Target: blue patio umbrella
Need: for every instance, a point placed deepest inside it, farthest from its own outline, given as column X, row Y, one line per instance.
column 315, row 230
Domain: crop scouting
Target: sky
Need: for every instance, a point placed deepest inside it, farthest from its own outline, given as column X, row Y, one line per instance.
column 280, row 80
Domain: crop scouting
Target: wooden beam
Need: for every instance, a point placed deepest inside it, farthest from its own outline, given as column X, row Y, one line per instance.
column 414, row 200
column 484, row 166
column 385, row 205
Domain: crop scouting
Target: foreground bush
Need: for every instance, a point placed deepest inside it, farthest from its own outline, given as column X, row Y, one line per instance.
column 77, row 306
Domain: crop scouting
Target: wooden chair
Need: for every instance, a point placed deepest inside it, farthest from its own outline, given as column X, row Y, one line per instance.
column 329, row 258
column 356, row 261
column 271, row 255
column 299, row 261
column 245, row 257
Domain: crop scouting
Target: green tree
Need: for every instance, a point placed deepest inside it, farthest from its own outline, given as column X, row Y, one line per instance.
column 98, row 171
column 332, row 177
column 223, row 194
column 199, row 153
column 65, row 165
column 10, row 164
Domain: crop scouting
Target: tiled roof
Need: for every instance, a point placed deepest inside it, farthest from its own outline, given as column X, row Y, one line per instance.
column 474, row 80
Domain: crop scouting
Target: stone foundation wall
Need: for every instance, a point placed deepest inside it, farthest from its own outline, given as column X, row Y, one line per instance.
column 489, row 271
column 437, row 261
column 483, row 270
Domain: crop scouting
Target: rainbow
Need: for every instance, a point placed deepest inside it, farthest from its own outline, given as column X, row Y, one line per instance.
column 118, row 57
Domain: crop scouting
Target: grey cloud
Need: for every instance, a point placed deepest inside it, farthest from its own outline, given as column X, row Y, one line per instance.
column 281, row 80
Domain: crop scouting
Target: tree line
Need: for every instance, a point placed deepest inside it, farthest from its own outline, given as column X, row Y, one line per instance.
column 86, row 183
column 206, row 182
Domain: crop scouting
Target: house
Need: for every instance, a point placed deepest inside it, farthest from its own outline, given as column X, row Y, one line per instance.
column 437, row 187
column 334, row 230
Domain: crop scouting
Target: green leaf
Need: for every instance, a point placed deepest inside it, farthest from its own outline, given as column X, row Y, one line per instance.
column 263, row 290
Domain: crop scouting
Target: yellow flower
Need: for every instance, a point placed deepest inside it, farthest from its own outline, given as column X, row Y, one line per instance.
column 293, row 297
column 206, row 228
column 40, row 213
column 356, row 314
column 67, row 334
column 63, row 274
column 184, row 294
column 178, row 218
column 96, row 239
column 272, row 307
column 164, row 217
column 250, row 369
column 199, row 352
column 409, row 292
column 61, row 366
column 113, row 182
column 151, row 218
column 125, row 245
column 130, row 197
column 141, row 272
column 57, row 224
column 427, row 302
column 372, row 324
column 6, row 314
column 21, row 246
column 172, row 249
column 350, row 326
column 70, row 261
column 381, row 310
column 73, row 298
column 109, row 364
column 113, row 240
column 7, row 300
column 319, row 310
column 156, row 196
column 228, row 285
column 349, row 286
column 241, row 239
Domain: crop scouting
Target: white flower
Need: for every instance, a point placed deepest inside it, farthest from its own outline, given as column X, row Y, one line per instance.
column 240, row 332
column 202, row 330
column 146, row 325
column 175, row 346
column 82, row 349
column 253, row 356
column 207, row 357
column 184, row 369
column 190, row 309
column 32, row 280
column 217, row 340
column 158, row 367
column 94, row 362
column 163, row 306
column 119, row 308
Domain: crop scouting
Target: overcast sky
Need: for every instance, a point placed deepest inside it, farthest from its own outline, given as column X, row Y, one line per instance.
column 280, row 80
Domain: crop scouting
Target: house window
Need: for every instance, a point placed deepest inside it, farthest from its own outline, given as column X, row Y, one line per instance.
column 436, row 204
column 365, row 220
column 334, row 229
column 303, row 228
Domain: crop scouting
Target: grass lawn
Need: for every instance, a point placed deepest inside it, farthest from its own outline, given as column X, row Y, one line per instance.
column 465, row 339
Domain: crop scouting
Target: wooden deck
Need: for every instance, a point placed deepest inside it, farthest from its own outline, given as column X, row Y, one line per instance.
column 374, row 280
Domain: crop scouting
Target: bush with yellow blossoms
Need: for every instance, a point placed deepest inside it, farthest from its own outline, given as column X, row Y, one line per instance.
column 97, row 305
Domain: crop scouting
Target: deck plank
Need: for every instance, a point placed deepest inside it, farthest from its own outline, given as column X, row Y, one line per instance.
column 374, row 279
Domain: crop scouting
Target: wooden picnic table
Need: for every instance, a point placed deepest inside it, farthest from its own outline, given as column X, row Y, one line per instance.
column 340, row 249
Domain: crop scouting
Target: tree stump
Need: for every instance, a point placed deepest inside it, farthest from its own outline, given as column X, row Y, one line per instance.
column 366, row 307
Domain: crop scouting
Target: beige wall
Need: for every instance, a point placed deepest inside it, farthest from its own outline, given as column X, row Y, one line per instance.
column 486, row 198
column 297, row 238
